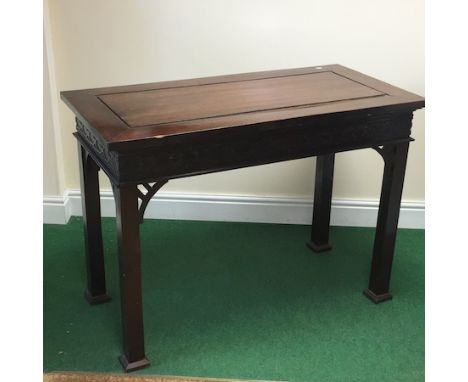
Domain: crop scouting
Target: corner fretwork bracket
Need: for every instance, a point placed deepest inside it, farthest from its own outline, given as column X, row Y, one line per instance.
column 380, row 150
column 145, row 193
column 387, row 150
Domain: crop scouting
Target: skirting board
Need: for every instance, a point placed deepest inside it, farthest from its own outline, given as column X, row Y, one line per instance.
column 169, row 205
column 56, row 209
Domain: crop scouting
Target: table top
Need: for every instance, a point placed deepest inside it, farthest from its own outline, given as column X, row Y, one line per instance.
column 163, row 109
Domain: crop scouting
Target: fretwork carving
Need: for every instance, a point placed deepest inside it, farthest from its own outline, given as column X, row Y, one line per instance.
column 145, row 192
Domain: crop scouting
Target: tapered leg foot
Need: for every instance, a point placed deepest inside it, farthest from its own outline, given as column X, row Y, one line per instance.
column 96, row 278
column 377, row 298
column 318, row 248
column 96, row 299
column 395, row 156
column 135, row 365
column 320, row 235
column 131, row 304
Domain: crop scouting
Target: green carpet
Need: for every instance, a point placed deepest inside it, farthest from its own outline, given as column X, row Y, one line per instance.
column 240, row 300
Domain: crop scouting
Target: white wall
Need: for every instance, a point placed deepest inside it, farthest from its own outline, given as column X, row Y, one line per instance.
column 116, row 42
column 51, row 186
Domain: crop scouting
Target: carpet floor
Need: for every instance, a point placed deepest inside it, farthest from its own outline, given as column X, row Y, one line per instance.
column 241, row 300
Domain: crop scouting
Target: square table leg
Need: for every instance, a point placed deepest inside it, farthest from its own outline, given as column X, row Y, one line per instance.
column 128, row 232
column 96, row 289
column 395, row 156
column 319, row 239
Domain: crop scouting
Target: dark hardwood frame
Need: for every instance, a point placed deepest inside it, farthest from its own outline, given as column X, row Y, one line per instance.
column 133, row 157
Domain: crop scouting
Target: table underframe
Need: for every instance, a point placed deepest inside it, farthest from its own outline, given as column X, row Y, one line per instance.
column 131, row 202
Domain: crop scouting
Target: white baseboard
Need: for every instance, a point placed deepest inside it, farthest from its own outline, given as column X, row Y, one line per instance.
column 56, row 209
column 169, row 205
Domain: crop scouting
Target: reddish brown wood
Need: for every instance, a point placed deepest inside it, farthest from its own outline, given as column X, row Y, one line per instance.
column 188, row 103
column 329, row 89
column 96, row 289
column 155, row 132
column 128, row 234
column 395, row 157
column 319, row 239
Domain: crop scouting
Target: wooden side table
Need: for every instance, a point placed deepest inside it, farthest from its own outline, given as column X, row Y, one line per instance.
column 143, row 135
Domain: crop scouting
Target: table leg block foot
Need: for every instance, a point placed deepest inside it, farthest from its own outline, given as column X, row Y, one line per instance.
column 96, row 299
column 135, row 365
column 377, row 298
column 318, row 248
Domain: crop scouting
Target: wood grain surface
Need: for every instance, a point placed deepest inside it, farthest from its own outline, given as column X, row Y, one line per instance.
column 186, row 103
column 149, row 112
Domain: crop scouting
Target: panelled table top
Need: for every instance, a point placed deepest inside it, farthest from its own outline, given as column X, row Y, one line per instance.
column 164, row 109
